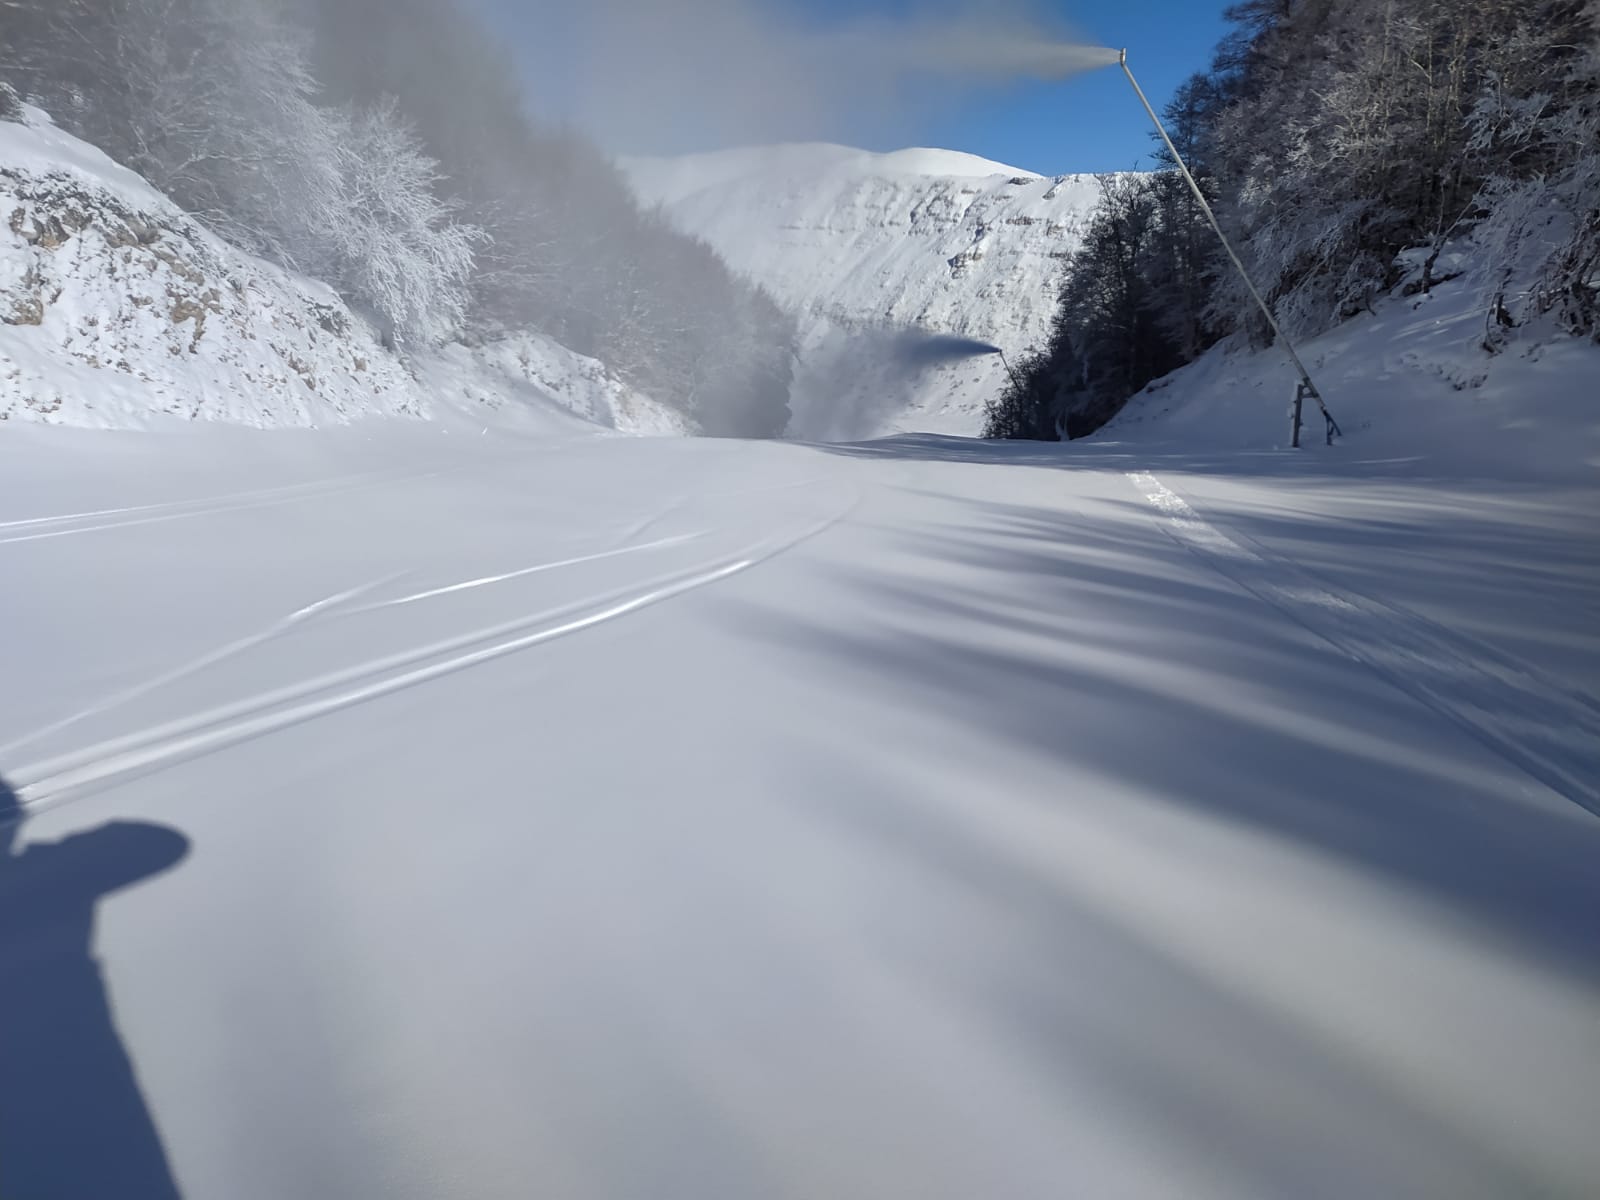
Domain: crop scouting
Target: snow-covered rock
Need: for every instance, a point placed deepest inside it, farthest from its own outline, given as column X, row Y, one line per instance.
column 859, row 243
column 116, row 307
column 118, row 310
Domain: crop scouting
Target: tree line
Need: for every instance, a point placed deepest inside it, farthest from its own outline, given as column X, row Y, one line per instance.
column 385, row 146
column 1348, row 146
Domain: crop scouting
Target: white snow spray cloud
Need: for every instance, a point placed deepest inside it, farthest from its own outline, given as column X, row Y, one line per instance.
column 854, row 380
column 963, row 53
column 667, row 76
column 916, row 350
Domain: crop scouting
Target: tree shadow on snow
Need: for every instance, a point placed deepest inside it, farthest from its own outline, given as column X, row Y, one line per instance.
column 1344, row 460
column 1100, row 665
column 1119, row 656
column 1512, row 560
column 73, row 1121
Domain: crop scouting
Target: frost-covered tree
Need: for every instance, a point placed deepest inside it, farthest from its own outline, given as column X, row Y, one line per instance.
column 569, row 253
column 214, row 102
column 1358, row 131
column 386, row 145
column 398, row 246
column 228, row 125
column 211, row 100
column 1539, row 237
column 1348, row 145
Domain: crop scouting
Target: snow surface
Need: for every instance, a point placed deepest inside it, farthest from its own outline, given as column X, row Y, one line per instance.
column 862, row 244
column 118, row 311
column 600, row 817
column 482, row 807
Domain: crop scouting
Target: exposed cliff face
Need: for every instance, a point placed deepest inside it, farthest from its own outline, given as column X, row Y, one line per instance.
column 859, row 242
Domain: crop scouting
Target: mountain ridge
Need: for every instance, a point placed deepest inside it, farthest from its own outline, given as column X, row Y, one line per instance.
column 859, row 244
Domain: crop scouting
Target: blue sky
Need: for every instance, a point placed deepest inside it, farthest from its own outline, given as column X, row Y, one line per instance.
column 672, row 76
column 1092, row 122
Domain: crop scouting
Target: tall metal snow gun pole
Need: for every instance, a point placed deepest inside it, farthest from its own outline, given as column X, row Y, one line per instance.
column 1305, row 387
column 1006, row 362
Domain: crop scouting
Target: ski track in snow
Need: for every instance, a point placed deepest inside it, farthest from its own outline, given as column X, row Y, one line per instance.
column 329, row 607
column 465, row 585
column 1549, row 731
column 46, row 784
column 211, row 658
column 640, row 528
column 70, row 524
column 164, row 506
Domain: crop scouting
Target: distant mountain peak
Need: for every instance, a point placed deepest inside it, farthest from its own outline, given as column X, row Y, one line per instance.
column 859, row 242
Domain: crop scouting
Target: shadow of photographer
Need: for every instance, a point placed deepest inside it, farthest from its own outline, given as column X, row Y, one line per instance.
column 73, row 1121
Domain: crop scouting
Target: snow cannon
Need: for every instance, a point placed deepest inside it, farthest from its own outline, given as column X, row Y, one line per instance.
column 1305, row 388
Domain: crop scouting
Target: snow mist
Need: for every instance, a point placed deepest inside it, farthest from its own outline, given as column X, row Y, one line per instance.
column 916, row 350
column 979, row 54
column 647, row 77
column 854, row 380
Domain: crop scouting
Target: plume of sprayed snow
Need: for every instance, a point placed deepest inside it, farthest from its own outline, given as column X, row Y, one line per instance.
column 914, row 350
column 648, row 77
column 994, row 54
column 853, row 381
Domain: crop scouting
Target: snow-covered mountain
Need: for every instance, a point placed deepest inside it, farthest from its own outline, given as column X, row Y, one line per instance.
column 859, row 243
column 118, row 310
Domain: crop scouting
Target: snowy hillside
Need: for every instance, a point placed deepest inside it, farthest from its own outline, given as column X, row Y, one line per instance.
column 118, row 310
column 857, row 242
column 1411, row 379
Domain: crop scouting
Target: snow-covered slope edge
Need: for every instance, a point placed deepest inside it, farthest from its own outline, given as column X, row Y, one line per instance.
column 1411, row 379
column 522, row 378
column 117, row 310
column 858, row 242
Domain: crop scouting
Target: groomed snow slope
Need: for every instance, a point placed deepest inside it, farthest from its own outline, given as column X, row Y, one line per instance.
column 492, row 818
column 1425, row 411
column 858, row 242
column 118, row 311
